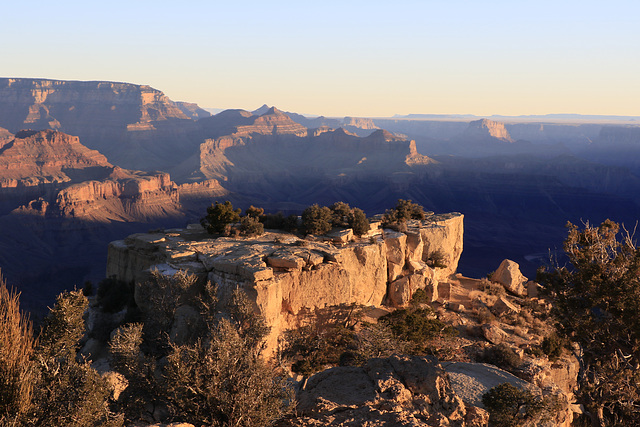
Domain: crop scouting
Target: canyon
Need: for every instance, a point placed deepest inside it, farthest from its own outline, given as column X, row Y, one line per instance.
column 109, row 159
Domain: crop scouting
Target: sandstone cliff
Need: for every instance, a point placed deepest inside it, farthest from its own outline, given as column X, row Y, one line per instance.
column 75, row 105
column 274, row 148
column 360, row 122
column 135, row 126
column 487, row 128
column 288, row 278
column 33, row 158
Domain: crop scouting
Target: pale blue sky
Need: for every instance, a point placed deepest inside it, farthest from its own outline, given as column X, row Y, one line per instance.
column 361, row 58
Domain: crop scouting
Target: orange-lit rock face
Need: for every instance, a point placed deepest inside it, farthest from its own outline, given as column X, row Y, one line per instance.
column 286, row 279
column 48, row 156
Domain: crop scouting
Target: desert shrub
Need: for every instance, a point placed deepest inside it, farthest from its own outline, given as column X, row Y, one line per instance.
column 377, row 341
column 68, row 391
column 213, row 377
column 219, row 216
column 502, row 356
column 510, row 406
column 254, row 212
column 340, row 214
column 403, row 211
column 419, row 297
column 552, row 346
column 314, row 347
column 596, row 303
column 17, row 371
column 437, row 260
column 114, row 295
column 417, row 326
column 250, row 226
column 358, row 222
column 492, row 288
column 138, row 368
column 316, row 219
column 291, row 223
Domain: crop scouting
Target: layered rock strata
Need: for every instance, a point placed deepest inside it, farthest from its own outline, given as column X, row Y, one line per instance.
column 287, row 277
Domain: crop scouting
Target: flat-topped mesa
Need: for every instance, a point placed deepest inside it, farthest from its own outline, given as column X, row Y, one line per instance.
column 39, row 157
column 360, row 122
column 287, row 277
column 486, row 128
column 60, row 104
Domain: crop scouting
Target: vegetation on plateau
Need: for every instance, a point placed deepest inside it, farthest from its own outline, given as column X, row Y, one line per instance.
column 222, row 218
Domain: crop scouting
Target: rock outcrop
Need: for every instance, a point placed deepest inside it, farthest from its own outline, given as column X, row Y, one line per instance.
column 486, row 128
column 134, row 126
column 287, row 277
column 124, row 196
column 43, row 157
column 72, row 105
column 272, row 147
column 398, row 391
column 508, row 275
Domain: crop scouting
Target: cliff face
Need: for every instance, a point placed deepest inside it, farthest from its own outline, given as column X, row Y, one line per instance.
column 33, row 158
column 487, row 128
column 287, row 279
column 76, row 105
column 360, row 122
column 125, row 196
column 134, row 126
column 273, row 147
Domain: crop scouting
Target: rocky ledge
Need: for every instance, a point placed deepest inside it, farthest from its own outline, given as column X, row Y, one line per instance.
column 286, row 276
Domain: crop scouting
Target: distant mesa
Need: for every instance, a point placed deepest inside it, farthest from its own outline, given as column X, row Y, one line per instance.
column 486, row 128
column 134, row 126
column 48, row 156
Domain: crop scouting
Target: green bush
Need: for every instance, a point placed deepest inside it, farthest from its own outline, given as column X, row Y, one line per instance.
column 596, row 303
column 420, row 297
column 340, row 214
column 510, row 406
column 502, row 356
column 417, row 325
column 68, row 391
column 313, row 348
column 403, row 211
column 358, row 222
column 254, row 212
column 250, row 226
column 219, row 216
column 436, row 260
column 552, row 346
column 316, row 219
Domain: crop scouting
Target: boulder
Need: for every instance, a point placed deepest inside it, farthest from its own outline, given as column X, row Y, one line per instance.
column 398, row 391
column 509, row 276
column 471, row 380
column 401, row 290
column 503, row 306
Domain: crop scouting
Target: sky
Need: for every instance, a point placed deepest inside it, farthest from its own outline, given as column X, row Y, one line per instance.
column 342, row 58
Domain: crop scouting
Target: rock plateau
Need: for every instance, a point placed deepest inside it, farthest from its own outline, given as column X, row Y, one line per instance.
column 288, row 278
